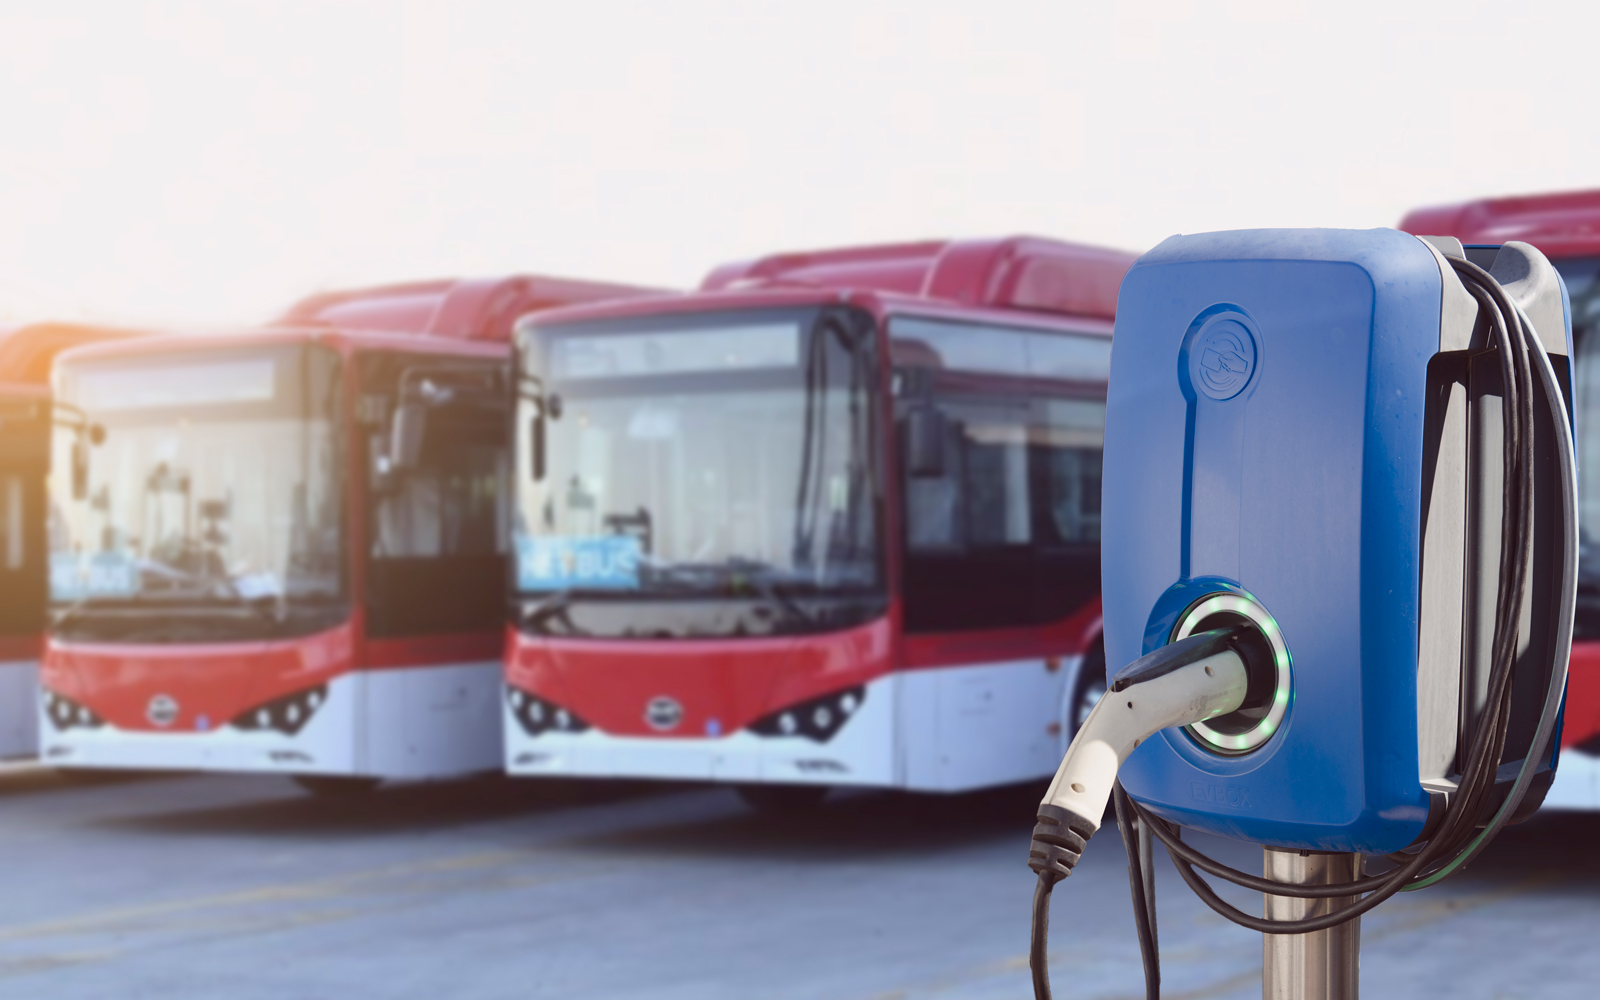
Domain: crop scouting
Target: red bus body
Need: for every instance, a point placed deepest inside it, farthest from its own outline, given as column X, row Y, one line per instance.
column 891, row 695
column 26, row 353
column 1566, row 228
column 371, row 682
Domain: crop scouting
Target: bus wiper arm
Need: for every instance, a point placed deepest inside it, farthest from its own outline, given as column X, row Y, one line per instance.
column 70, row 613
column 764, row 585
column 555, row 607
column 273, row 609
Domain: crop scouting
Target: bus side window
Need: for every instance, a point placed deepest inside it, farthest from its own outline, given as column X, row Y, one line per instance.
column 1069, row 461
column 436, row 558
column 1007, row 534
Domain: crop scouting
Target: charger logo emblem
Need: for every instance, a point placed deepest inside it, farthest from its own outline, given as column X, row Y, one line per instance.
column 1222, row 360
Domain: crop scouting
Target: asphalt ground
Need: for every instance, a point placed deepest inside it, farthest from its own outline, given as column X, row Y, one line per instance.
column 191, row 886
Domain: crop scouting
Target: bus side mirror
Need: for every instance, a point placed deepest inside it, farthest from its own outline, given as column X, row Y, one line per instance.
column 80, row 468
column 405, row 437
column 536, row 445
column 381, row 478
column 925, row 435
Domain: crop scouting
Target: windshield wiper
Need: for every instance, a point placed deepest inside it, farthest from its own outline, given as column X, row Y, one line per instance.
column 733, row 579
column 766, row 587
column 69, row 614
column 556, row 607
column 696, row 577
column 214, row 600
column 272, row 609
column 767, row 582
column 100, row 602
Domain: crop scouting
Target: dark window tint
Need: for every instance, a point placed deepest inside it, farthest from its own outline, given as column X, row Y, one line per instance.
column 437, row 550
column 1582, row 276
column 1003, row 530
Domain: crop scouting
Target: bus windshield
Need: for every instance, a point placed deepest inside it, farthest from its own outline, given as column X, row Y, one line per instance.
column 708, row 474
column 196, row 495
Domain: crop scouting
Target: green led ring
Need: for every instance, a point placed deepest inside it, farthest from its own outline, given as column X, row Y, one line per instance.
column 1239, row 604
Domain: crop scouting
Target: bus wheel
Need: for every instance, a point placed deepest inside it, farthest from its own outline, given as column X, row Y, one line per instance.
column 782, row 799
column 1090, row 686
column 96, row 775
column 336, row 785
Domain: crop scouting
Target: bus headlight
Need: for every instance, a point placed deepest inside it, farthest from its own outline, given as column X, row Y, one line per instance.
column 819, row 719
column 64, row 713
column 287, row 715
column 538, row 715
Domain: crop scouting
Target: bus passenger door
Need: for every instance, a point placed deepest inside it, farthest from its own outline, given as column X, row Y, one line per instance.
column 436, row 562
column 1001, row 541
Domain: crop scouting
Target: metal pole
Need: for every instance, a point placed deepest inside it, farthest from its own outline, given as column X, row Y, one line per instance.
column 1323, row 965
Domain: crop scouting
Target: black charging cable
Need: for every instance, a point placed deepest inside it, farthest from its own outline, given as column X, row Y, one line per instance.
column 1143, row 888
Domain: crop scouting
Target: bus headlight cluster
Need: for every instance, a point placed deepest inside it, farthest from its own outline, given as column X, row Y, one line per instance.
column 64, row 713
column 287, row 715
column 818, row 719
column 537, row 715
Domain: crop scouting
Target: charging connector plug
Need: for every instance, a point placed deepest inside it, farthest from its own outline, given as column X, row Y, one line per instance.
column 1188, row 681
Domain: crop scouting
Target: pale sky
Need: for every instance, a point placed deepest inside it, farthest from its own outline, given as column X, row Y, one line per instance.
column 211, row 162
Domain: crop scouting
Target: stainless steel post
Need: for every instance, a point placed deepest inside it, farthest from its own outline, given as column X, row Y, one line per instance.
column 1323, row 965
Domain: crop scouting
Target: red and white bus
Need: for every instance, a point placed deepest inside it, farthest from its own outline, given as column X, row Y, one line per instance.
column 25, row 418
column 832, row 519
column 1566, row 228
column 281, row 549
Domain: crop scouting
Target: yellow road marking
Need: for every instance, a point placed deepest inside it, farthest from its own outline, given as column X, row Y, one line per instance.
column 10, row 968
column 316, row 889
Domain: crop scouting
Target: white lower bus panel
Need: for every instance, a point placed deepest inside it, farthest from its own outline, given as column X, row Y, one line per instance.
column 411, row 722
column 1577, row 782
column 945, row 729
column 19, row 708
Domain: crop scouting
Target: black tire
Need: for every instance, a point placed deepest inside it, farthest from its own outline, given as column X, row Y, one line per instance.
column 97, row 775
column 778, row 800
column 336, row 785
column 1089, row 686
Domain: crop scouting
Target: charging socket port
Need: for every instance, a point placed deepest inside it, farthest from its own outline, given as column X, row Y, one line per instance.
column 1266, row 660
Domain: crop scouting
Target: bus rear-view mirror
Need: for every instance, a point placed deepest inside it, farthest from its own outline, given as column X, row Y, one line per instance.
column 536, row 445
column 925, row 434
column 405, row 437
column 80, row 468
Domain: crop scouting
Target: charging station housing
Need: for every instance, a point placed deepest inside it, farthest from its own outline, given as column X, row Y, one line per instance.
column 1303, row 433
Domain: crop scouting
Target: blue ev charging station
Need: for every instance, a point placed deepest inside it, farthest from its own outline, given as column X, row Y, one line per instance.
column 1339, row 560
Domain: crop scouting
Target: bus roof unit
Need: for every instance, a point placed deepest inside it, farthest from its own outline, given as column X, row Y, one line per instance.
column 27, row 351
column 1564, row 224
column 1016, row 272
column 467, row 309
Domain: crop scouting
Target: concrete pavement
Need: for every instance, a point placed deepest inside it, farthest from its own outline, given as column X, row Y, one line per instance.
column 195, row 886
